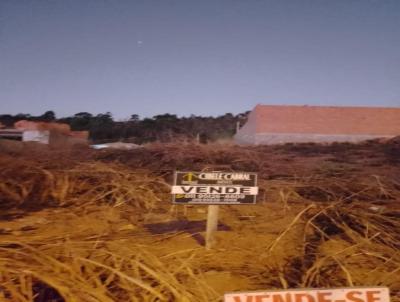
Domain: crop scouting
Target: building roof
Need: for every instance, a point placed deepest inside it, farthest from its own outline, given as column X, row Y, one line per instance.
column 323, row 120
column 7, row 133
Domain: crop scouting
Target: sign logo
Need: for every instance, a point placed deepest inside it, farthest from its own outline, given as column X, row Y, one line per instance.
column 190, row 176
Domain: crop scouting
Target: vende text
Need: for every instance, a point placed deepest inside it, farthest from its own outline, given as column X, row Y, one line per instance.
column 379, row 294
column 214, row 190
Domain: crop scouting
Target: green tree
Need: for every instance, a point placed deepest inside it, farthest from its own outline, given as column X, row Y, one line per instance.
column 48, row 116
column 134, row 118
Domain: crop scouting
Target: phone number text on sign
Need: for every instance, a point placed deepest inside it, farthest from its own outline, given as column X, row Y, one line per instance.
column 363, row 294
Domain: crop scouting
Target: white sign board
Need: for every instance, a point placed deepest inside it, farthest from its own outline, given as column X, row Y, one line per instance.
column 215, row 188
column 354, row 294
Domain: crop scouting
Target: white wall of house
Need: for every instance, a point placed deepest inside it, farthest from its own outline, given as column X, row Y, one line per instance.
column 40, row 136
column 283, row 138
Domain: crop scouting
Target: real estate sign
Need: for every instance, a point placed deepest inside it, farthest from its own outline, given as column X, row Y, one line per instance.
column 215, row 188
column 354, row 294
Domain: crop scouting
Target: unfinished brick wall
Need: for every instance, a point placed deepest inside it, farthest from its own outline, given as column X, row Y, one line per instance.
column 279, row 124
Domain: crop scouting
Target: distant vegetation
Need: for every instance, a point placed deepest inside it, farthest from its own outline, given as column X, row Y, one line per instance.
column 164, row 127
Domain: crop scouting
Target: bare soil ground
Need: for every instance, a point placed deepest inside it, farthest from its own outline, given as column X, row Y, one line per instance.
column 84, row 225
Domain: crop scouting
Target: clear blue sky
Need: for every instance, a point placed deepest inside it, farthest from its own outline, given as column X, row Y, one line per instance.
column 196, row 57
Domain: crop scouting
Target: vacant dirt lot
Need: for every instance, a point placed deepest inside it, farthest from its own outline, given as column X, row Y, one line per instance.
column 84, row 225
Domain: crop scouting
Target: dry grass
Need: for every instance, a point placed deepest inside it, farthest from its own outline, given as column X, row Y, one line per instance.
column 77, row 271
column 25, row 184
column 353, row 245
column 74, row 229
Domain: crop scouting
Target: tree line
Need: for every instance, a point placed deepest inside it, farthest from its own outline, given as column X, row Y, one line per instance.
column 164, row 127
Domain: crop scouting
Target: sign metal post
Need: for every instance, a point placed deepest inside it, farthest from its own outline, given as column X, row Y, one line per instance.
column 212, row 225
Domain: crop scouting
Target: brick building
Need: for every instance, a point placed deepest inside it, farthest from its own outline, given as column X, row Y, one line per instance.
column 45, row 133
column 270, row 124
